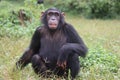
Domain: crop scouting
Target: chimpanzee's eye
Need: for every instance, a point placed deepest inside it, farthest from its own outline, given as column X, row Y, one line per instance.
column 56, row 14
column 50, row 14
column 53, row 13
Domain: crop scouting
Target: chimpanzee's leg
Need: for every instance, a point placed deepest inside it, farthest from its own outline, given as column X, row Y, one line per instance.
column 38, row 65
column 74, row 65
column 67, row 50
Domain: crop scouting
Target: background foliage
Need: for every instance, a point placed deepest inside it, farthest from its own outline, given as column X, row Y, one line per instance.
column 101, row 36
column 9, row 22
column 103, row 9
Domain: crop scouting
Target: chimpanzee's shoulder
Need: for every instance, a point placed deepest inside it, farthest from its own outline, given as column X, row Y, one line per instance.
column 68, row 26
column 39, row 28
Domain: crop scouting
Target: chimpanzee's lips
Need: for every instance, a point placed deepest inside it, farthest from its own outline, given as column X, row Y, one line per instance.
column 52, row 25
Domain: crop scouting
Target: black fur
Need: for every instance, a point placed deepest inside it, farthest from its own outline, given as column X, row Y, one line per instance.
column 57, row 50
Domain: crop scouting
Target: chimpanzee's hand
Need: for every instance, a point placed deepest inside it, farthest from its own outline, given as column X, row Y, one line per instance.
column 62, row 61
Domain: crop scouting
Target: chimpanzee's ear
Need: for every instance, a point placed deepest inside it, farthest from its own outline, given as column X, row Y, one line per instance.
column 42, row 13
column 63, row 14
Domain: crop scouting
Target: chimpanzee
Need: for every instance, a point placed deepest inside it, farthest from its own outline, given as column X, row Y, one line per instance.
column 55, row 46
column 40, row 1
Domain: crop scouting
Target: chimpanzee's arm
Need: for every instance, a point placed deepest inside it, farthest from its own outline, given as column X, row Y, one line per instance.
column 33, row 49
column 74, row 45
column 75, row 42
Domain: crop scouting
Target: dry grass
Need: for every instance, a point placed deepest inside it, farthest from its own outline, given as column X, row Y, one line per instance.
column 104, row 32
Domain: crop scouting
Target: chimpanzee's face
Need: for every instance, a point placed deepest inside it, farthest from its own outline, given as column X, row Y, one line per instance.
column 53, row 18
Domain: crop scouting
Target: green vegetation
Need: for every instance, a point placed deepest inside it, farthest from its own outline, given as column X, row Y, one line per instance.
column 101, row 36
column 103, row 9
column 10, row 24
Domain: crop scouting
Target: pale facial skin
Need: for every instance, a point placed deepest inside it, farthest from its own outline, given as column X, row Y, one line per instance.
column 53, row 18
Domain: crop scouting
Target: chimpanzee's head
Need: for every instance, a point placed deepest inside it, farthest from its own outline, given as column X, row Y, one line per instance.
column 53, row 18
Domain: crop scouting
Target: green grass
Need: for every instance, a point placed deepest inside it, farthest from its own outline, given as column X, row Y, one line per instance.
column 99, row 33
column 105, row 32
column 101, row 36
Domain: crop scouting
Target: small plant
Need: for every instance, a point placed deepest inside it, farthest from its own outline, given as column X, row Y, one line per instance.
column 11, row 24
column 99, row 57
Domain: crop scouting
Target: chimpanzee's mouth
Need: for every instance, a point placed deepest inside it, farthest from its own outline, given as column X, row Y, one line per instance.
column 52, row 25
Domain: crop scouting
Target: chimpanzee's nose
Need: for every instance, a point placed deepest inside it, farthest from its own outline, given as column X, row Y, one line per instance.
column 53, row 18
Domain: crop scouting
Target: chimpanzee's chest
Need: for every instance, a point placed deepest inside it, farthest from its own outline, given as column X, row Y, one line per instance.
column 50, row 45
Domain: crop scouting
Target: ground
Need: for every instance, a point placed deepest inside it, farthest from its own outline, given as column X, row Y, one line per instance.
column 101, row 36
